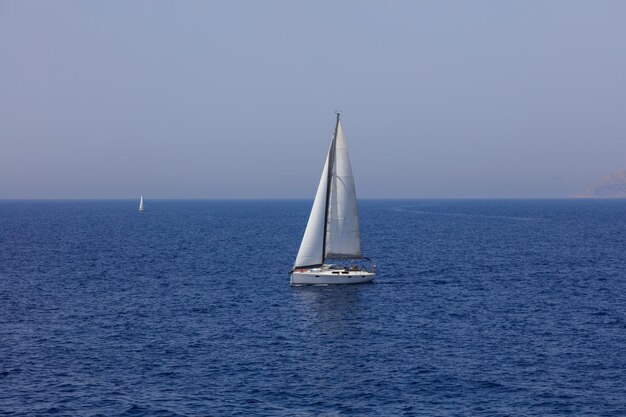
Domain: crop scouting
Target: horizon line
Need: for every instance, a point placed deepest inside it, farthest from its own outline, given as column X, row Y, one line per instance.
column 294, row 198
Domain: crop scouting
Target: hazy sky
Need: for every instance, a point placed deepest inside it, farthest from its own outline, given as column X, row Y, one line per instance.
column 232, row 99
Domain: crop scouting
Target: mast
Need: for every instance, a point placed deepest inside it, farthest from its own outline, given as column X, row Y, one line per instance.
column 331, row 164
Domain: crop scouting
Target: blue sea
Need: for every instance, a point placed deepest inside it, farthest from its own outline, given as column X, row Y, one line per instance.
column 480, row 308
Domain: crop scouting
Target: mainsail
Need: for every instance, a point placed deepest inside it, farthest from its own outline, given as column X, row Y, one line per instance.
column 141, row 203
column 333, row 227
column 343, row 239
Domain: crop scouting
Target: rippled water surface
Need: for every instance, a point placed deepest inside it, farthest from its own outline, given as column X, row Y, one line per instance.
column 480, row 308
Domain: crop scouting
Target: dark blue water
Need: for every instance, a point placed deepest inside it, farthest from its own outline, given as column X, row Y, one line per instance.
column 480, row 308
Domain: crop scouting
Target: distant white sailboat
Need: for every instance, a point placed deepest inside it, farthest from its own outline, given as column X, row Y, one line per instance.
column 332, row 232
column 141, row 203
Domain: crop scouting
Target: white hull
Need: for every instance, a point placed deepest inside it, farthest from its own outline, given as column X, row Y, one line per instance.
column 330, row 277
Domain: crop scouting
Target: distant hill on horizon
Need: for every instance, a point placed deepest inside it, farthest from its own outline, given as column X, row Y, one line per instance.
column 611, row 186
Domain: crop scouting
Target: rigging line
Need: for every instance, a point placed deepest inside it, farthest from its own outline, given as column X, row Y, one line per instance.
column 331, row 163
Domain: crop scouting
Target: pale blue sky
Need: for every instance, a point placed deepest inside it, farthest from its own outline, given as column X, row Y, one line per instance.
column 235, row 99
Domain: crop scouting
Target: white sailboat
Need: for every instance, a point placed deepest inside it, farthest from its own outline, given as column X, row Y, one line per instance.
column 332, row 232
column 141, row 203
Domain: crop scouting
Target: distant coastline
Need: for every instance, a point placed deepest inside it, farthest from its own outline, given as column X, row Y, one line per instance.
column 610, row 186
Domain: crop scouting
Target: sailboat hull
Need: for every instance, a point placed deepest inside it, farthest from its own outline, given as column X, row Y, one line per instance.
column 330, row 277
